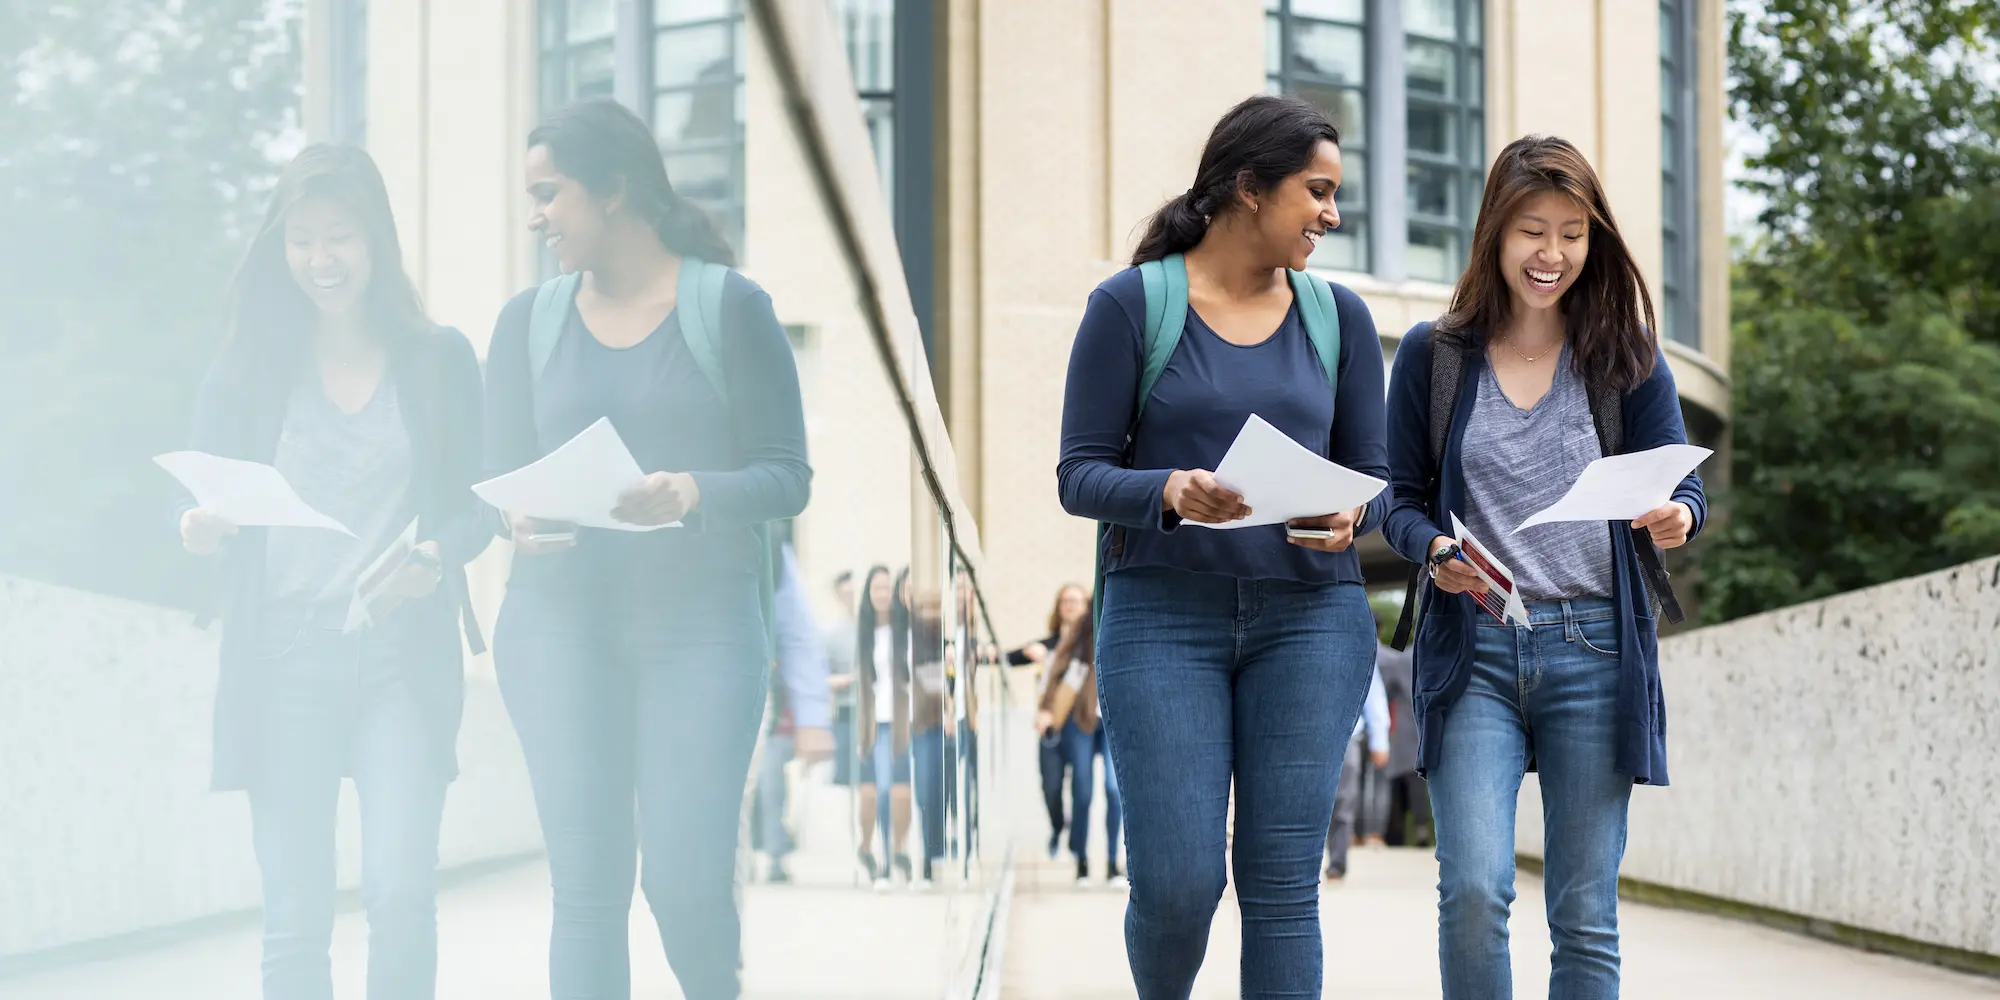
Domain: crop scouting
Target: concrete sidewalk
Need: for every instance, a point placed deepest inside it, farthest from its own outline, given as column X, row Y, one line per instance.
column 1067, row 943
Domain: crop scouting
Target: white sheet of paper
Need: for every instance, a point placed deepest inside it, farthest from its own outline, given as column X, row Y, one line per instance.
column 249, row 494
column 368, row 587
column 1496, row 574
column 578, row 482
column 1282, row 479
column 1623, row 487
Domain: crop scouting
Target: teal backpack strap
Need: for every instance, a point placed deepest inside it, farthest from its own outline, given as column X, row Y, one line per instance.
column 1166, row 284
column 545, row 323
column 699, row 303
column 1322, row 321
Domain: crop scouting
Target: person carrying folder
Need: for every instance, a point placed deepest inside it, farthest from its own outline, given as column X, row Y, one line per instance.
column 1246, row 652
column 1546, row 361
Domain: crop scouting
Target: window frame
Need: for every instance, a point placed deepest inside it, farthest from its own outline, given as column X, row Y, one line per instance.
column 347, row 30
column 1680, row 291
column 1359, row 219
column 1467, row 120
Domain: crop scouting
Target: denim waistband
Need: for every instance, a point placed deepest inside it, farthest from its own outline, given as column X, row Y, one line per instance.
column 1576, row 609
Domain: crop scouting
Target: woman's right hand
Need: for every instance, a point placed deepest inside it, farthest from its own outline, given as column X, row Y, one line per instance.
column 1196, row 496
column 1456, row 576
column 202, row 530
column 530, row 535
column 1045, row 720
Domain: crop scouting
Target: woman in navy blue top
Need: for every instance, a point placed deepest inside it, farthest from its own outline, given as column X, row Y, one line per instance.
column 1549, row 337
column 1227, row 653
column 634, row 664
column 333, row 374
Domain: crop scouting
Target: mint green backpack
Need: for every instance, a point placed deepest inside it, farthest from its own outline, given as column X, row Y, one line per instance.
column 1166, row 316
column 699, row 311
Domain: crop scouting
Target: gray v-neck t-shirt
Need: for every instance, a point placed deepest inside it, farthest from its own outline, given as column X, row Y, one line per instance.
column 1517, row 462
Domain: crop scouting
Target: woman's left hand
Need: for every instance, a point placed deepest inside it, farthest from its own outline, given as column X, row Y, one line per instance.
column 1341, row 524
column 660, row 498
column 1670, row 523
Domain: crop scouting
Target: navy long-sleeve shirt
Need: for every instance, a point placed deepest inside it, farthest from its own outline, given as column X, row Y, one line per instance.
column 747, row 456
column 1209, row 389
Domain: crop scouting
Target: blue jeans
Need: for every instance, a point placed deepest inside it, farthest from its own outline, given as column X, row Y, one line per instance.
column 1547, row 692
column 646, row 698
column 1080, row 751
column 769, row 812
column 927, row 749
column 1201, row 678
column 337, row 705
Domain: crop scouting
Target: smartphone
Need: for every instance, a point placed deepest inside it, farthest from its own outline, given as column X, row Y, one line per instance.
column 1308, row 532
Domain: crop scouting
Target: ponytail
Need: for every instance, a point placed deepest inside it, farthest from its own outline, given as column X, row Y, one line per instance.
column 1175, row 228
column 609, row 150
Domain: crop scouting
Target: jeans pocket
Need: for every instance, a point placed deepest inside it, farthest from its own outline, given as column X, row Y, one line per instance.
column 1600, row 636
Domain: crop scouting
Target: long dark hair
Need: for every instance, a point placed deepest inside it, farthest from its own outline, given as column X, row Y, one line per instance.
column 1081, row 643
column 866, row 623
column 269, row 315
column 610, row 151
column 1608, row 312
column 1256, row 144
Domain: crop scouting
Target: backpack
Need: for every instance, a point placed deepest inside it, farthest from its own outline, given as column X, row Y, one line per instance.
column 1607, row 412
column 1166, row 317
column 698, row 308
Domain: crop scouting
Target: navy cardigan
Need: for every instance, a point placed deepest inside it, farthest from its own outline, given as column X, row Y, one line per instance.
column 239, row 414
column 1445, row 642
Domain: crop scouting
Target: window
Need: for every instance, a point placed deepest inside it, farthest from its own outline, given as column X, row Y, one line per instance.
column 1679, row 295
column 577, row 41
column 869, row 27
column 1318, row 50
column 697, row 93
column 348, row 33
column 1444, row 91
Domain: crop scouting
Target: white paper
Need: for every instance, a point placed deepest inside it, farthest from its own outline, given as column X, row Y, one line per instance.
column 374, row 580
column 578, row 482
column 1281, row 479
column 247, row 494
column 1502, row 601
column 1623, row 487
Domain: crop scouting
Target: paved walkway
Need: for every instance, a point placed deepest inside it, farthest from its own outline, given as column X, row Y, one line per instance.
column 1067, row 943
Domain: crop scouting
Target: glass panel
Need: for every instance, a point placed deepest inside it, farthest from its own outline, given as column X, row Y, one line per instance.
column 1273, row 5
column 667, row 12
column 1669, row 88
column 703, row 114
column 1475, row 138
column 1475, row 21
column 590, row 20
column 1433, row 191
column 1352, row 11
column 1475, row 79
column 1430, row 70
column 1345, row 106
column 1346, row 248
column 1431, row 18
column 869, row 28
column 879, row 114
column 683, row 56
column 1669, row 143
column 1330, row 51
column 1353, row 193
column 1274, row 45
column 1432, row 130
column 708, row 176
column 1433, row 253
column 590, row 72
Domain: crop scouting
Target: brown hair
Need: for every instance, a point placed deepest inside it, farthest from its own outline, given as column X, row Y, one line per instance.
column 1253, row 147
column 1055, row 610
column 1609, row 310
column 1081, row 643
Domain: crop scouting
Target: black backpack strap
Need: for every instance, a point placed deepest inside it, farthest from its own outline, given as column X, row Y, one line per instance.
column 1447, row 372
column 1607, row 410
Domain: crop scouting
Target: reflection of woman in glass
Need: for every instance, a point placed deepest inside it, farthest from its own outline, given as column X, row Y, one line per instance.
column 334, row 375
column 1069, row 716
column 929, row 712
column 882, row 664
column 634, row 663
column 1072, row 604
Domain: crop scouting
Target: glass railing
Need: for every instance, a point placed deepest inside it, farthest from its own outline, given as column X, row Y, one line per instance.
column 861, row 845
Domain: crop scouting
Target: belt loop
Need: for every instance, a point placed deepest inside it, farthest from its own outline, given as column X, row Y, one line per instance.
column 1571, row 630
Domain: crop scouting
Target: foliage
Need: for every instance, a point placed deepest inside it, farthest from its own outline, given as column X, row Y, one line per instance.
column 1866, row 334
column 140, row 140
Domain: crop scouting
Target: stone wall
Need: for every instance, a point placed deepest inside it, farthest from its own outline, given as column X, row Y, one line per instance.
column 1838, row 760
column 107, row 826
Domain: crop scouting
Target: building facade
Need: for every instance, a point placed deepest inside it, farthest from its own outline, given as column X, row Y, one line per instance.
column 1020, row 144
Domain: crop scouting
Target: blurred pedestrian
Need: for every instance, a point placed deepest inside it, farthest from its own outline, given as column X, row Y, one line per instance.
column 1367, row 752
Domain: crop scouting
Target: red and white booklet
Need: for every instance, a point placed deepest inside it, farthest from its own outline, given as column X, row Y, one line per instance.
column 1502, row 601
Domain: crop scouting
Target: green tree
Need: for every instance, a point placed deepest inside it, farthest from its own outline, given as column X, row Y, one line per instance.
column 140, row 139
column 1866, row 444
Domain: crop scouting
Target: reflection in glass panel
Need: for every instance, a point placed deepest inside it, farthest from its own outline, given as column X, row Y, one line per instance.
column 706, row 113
column 590, row 20
column 1430, row 70
column 1345, row 105
column 1331, row 52
column 685, row 56
column 670, row 12
column 706, row 176
column 590, row 72
column 1432, row 130
column 1431, row 18
column 1354, row 11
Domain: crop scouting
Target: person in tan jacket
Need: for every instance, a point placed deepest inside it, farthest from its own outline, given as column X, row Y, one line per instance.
column 1070, row 715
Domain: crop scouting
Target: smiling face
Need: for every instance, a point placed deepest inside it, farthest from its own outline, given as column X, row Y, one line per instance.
column 878, row 595
column 570, row 220
column 326, row 250
column 1071, row 605
column 1544, row 250
column 1297, row 212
